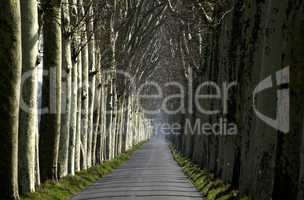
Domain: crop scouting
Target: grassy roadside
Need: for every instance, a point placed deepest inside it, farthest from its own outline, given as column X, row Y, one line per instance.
column 69, row 186
column 206, row 183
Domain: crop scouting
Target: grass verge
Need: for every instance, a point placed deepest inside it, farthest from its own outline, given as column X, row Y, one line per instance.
column 207, row 184
column 66, row 187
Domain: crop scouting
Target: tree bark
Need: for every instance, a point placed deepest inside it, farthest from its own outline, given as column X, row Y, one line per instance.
column 66, row 90
column 85, row 89
column 74, row 97
column 51, row 92
column 79, row 107
column 92, row 69
column 10, row 77
column 28, row 113
column 73, row 130
column 103, row 121
column 113, row 40
column 96, row 124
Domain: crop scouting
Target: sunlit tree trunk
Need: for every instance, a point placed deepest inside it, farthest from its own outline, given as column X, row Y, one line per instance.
column 121, row 126
column 10, row 74
column 109, row 117
column 28, row 112
column 129, row 136
column 73, row 130
column 127, row 146
column 85, row 87
column 66, row 90
column 39, row 66
column 115, row 117
column 79, row 107
column 74, row 96
column 51, row 93
column 103, row 121
column 113, row 40
column 92, row 69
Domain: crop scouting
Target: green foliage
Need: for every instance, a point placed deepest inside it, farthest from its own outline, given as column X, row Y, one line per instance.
column 205, row 182
column 71, row 185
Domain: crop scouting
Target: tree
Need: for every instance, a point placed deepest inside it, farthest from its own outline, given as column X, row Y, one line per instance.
column 74, row 96
column 51, row 92
column 79, row 111
column 10, row 77
column 66, row 91
column 92, row 79
column 28, row 112
column 85, row 86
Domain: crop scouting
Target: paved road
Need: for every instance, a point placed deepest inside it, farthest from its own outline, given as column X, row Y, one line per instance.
column 151, row 174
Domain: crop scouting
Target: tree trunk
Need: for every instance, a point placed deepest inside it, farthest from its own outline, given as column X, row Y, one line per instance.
column 66, row 92
column 114, row 121
column 92, row 68
column 28, row 113
column 51, row 92
column 96, row 124
column 37, row 166
column 85, row 89
column 78, row 124
column 10, row 75
column 120, row 126
column 113, row 86
column 109, row 118
column 103, row 121
column 73, row 130
column 74, row 97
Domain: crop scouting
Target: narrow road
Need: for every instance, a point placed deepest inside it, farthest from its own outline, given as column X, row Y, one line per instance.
column 151, row 174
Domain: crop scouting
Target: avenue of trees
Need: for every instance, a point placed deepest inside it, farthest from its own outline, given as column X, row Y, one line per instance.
column 70, row 72
column 88, row 110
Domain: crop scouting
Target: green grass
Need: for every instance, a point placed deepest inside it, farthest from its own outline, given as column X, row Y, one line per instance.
column 206, row 183
column 66, row 187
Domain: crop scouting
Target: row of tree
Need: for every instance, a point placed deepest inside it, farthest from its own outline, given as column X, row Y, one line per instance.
column 94, row 54
column 243, row 42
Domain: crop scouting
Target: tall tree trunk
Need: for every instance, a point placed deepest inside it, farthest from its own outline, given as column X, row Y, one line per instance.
column 109, row 117
column 74, row 97
column 37, row 166
column 10, row 75
column 113, row 40
column 129, row 136
column 92, row 68
column 51, row 93
column 85, row 89
column 73, row 130
column 103, row 120
column 115, row 116
column 96, row 124
column 125, row 122
column 79, row 107
column 120, row 126
column 66, row 92
column 28, row 113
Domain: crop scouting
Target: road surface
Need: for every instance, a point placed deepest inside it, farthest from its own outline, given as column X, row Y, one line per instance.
column 150, row 174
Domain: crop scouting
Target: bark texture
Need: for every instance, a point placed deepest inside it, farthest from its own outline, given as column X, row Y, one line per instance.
column 253, row 41
column 10, row 77
column 28, row 106
column 51, row 93
column 66, row 90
